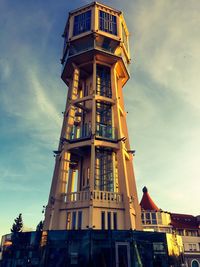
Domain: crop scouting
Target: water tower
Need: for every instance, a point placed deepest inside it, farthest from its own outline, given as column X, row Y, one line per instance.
column 93, row 184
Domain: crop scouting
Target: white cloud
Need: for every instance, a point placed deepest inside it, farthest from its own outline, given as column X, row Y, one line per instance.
column 167, row 46
column 163, row 100
column 43, row 102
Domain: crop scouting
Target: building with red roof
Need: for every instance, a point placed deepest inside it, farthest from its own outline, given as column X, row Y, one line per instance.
column 184, row 225
column 153, row 218
column 188, row 227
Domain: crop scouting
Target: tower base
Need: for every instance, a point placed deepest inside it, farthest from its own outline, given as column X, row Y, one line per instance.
column 99, row 248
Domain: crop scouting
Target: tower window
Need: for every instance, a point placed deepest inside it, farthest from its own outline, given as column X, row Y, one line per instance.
column 104, row 114
column 104, row 170
column 102, row 220
column 82, row 23
column 79, row 219
column 103, row 86
column 115, row 220
column 73, row 220
column 107, row 22
column 109, row 220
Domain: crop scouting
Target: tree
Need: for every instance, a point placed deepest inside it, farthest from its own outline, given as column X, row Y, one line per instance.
column 40, row 226
column 17, row 225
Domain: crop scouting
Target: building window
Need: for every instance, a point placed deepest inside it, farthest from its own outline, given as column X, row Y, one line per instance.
column 79, row 220
column 153, row 217
column 194, row 233
column 143, row 220
column 115, row 220
column 73, row 220
column 158, row 246
column 180, row 232
column 102, row 220
column 195, row 263
column 190, row 247
column 109, row 220
column 107, row 22
column 103, row 86
column 82, row 23
column 148, row 221
column 194, row 247
column 159, row 217
column 150, row 218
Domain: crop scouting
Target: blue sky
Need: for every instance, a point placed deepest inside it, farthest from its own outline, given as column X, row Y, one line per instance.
column 162, row 99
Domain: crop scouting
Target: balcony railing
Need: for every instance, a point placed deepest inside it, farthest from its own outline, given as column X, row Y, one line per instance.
column 102, row 196
column 84, row 131
column 80, row 132
column 106, row 132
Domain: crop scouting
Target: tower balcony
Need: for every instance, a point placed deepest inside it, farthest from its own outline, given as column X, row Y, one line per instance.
column 84, row 132
column 102, row 198
column 84, row 49
column 88, row 44
column 80, row 132
column 106, row 132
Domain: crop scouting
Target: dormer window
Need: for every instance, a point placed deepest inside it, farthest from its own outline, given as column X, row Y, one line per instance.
column 82, row 23
column 107, row 22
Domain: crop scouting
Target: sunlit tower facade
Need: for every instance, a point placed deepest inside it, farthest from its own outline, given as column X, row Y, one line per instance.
column 93, row 184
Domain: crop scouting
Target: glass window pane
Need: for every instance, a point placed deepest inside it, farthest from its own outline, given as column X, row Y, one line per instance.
column 115, row 220
column 82, row 23
column 109, row 220
column 195, row 263
column 104, row 170
column 103, row 86
column 107, row 22
column 102, row 220
column 73, row 220
column 79, row 219
column 148, row 221
column 153, row 216
column 148, row 216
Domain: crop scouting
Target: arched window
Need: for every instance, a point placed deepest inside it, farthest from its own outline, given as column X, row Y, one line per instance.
column 195, row 263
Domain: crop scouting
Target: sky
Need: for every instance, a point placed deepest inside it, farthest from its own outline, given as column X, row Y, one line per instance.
column 162, row 100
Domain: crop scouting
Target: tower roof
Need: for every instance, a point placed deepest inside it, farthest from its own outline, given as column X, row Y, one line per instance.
column 92, row 4
column 147, row 203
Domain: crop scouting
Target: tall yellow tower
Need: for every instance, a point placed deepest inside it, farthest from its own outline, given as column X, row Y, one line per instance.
column 93, row 184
